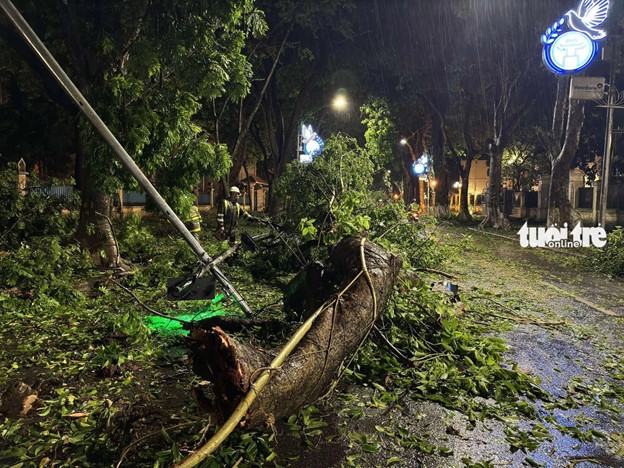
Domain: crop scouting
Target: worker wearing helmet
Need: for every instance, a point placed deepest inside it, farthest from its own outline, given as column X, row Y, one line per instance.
column 193, row 222
column 228, row 214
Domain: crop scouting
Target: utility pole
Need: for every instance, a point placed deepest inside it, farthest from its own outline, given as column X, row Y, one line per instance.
column 606, row 159
column 614, row 100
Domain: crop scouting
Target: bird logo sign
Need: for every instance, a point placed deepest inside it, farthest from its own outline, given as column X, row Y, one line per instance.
column 311, row 144
column 571, row 42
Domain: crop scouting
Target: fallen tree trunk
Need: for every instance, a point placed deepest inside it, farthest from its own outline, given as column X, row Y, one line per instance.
column 232, row 366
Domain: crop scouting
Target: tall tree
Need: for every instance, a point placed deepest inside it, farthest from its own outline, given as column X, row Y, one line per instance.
column 147, row 67
column 314, row 32
column 562, row 143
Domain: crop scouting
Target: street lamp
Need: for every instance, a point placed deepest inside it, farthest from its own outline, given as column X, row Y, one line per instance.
column 431, row 184
column 340, row 102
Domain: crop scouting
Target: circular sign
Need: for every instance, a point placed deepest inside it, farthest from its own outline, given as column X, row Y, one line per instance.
column 314, row 147
column 570, row 52
column 419, row 168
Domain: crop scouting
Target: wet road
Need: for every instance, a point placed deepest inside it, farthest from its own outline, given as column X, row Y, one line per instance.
column 540, row 284
column 575, row 360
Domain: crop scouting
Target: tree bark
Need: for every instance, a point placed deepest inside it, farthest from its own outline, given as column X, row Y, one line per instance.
column 505, row 123
column 233, row 365
column 561, row 155
column 494, row 217
column 440, row 166
column 464, row 212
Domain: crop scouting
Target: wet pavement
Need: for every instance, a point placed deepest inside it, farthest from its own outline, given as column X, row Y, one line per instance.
column 575, row 360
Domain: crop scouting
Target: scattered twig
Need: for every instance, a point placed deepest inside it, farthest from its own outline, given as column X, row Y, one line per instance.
column 400, row 223
column 438, row 272
column 145, row 306
column 130, row 447
column 585, row 301
column 552, row 249
column 517, row 317
column 526, row 320
column 393, row 349
column 576, row 460
column 26, row 216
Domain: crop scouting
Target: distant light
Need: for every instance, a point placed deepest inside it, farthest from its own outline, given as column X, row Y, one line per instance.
column 403, row 141
column 434, row 183
column 456, row 185
column 424, row 159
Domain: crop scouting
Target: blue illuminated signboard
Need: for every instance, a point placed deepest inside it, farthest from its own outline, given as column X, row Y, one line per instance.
column 311, row 144
column 571, row 43
column 421, row 166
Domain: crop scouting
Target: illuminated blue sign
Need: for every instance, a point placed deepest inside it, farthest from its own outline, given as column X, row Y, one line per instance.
column 570, row 44
column 421, row 166
column 311, row 144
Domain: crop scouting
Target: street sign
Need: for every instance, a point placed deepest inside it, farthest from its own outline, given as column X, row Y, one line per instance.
column 587, row 87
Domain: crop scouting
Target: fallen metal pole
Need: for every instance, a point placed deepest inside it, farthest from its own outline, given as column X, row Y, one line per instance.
column 40, row 50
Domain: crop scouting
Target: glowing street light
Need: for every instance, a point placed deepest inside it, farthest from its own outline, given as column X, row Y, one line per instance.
column 340, row 102
column 403, row 141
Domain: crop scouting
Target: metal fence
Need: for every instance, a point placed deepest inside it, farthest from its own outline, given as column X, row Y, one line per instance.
column 134, row 198
column 58, row 191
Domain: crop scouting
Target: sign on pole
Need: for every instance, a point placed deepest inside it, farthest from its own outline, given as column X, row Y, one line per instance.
column 587, row 87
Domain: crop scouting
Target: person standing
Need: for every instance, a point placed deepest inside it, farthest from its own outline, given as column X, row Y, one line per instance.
column 194, row 220
column 228, row 215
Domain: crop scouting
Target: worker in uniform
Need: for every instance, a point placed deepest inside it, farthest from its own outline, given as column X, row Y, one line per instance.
column 228, row 214
column 193, row 222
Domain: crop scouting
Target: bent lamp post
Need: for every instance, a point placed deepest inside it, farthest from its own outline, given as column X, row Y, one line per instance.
column 50, row 63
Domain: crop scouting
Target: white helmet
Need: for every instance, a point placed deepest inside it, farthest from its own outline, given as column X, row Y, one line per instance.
column 234, row 189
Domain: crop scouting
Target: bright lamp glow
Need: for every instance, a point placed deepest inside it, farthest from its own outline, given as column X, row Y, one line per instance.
column 340, row 102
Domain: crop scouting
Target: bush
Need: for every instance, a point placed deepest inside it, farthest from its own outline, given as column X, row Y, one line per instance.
column 33, row 214
column 610, row 258
column 43, row 267
column 332, row 198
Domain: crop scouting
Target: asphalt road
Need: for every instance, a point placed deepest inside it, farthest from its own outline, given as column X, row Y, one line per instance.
column 583, row 352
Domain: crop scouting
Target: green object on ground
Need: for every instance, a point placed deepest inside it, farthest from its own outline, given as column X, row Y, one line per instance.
column 174, row 326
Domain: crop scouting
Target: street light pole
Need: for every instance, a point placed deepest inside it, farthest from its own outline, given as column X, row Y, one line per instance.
column 615, row 100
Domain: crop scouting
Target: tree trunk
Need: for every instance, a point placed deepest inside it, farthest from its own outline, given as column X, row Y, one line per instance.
column 559, row 207
column 95, row 231
column 232, row 365
column 494, row 217
column 411, row 193
column 440, row 167
column 464, row 212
